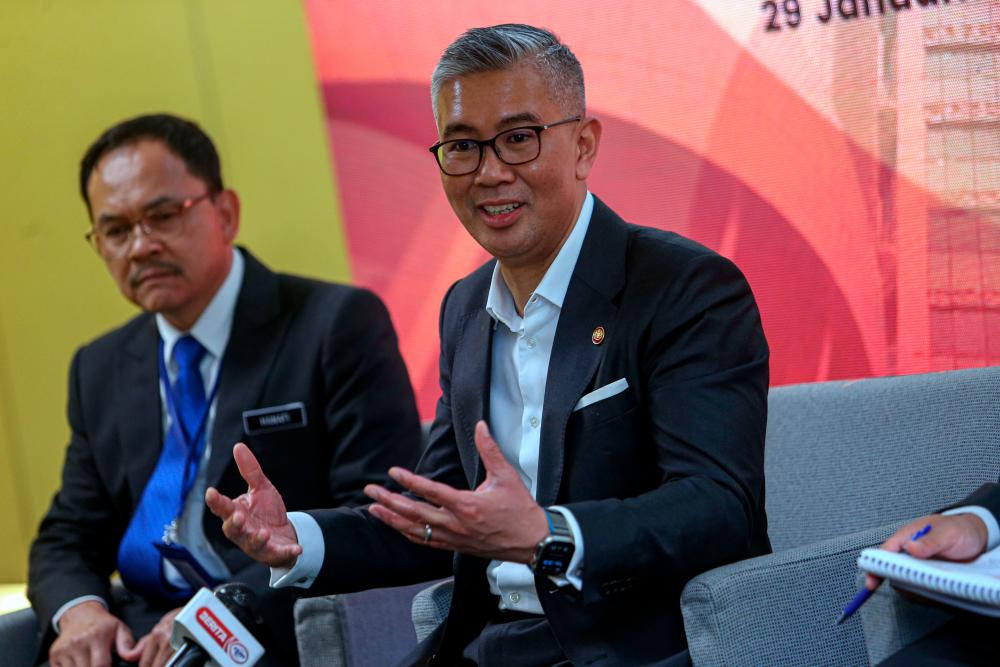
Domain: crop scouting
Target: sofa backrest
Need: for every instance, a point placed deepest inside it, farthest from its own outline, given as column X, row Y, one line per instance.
column 849, row 455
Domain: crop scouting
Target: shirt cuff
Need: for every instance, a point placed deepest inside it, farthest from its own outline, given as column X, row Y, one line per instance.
column 307, row 566
column 72, row 603
column 574, row 573
column 992, row 527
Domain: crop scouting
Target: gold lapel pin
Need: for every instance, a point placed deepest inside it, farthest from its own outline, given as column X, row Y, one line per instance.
column 598, row 336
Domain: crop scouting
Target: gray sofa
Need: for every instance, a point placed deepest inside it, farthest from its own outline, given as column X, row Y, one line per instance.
column 846, row 464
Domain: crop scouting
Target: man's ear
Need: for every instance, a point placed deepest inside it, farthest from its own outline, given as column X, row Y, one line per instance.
column 227, row 203
column 587, row 143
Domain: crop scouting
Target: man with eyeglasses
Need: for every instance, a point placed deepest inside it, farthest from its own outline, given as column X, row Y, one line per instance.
column 600, row 435
column 307, row 374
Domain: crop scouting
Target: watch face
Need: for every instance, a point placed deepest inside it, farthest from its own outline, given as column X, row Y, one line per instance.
column 554, row 558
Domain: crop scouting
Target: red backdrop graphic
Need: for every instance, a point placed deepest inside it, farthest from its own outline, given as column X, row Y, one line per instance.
column 849, row 167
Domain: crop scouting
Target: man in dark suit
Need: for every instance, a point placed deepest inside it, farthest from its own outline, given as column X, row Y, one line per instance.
column 623, row 374
column 308, row 374
column 962, row 533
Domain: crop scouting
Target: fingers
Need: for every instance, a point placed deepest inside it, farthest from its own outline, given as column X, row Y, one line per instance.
column 258, row 544
column 135, row 655
column 413, row 531
column 957, row 537
column 489, row 451
column 125, row 644
column 100, row 654
column 249, row 467
column 157, row 652
column 929, row 544
column 435, row 492
column 220, row 505
column 414, row 510
column 906, row 533
column 872, row 582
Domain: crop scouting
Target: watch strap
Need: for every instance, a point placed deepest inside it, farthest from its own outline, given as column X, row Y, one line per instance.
column 558, row 525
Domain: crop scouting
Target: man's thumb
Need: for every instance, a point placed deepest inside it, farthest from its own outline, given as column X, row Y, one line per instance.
column 125, row 644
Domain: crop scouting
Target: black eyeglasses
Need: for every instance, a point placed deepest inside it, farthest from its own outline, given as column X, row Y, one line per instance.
column 459, row 157
column 113, row 237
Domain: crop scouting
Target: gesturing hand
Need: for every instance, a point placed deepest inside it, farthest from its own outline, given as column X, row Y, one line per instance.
column 499, row 520
column 154, row 649
column 952, row 537
column 257, row 521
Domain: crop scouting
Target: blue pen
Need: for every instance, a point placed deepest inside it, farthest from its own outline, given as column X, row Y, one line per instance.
column 863, row 595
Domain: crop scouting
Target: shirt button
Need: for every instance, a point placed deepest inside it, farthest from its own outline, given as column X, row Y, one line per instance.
column 534, row 422
column 531, row 342
column 514, row 598
column 533, row 299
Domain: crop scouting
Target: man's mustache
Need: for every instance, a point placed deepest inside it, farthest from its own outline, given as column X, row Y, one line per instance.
column 153, row 265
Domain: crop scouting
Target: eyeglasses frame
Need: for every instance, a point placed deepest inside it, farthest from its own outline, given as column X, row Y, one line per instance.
column 91, row 237
column 483, row 143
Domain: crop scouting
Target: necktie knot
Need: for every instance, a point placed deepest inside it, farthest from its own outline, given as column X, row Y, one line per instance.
column 188, row 353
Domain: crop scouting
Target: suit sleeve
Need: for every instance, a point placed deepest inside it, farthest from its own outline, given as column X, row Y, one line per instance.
column 74, row 554
column 370, row 411
column 361, row 551
column 704, row 366
column 987, row 496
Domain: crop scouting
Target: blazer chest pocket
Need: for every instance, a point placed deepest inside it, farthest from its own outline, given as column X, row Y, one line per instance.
column 604, row 410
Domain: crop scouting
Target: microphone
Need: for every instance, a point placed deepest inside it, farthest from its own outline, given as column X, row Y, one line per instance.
column 213, row 629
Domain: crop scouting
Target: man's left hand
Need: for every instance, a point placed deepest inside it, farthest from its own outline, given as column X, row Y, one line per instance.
column 154, row 649
column 499, row 520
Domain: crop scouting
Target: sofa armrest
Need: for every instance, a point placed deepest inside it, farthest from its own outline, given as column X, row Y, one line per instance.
column 891, row 621
column 781, row 608
column 19, row 637
column 430, row 607
column 370, row 628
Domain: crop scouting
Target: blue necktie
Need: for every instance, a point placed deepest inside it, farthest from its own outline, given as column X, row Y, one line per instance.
column 139, row 563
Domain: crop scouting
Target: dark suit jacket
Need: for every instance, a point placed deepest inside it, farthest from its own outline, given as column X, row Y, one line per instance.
column 665, row 479
column 331, row 347
column 988, row 496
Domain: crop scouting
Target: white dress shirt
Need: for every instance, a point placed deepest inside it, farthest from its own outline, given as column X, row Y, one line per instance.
column 211, row 330
column 522, row 347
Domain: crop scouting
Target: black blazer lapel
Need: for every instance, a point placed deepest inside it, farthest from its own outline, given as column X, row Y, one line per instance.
column 597, row 279
column 141, row 425
column 470, row 379
column 252, row 349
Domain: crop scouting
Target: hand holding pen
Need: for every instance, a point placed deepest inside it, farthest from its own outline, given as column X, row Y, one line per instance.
column 956, row 537
column 871, row 581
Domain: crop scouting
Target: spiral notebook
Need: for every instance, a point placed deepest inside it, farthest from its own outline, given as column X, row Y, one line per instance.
column 974, row 586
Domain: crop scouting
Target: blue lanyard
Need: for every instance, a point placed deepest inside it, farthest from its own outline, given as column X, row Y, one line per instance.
column 194, row 443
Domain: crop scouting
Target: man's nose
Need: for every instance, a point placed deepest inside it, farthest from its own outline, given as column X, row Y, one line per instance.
column 493, row 170
column 141, row 243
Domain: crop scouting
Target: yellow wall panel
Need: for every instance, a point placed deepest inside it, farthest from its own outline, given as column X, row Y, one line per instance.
column 68, row 69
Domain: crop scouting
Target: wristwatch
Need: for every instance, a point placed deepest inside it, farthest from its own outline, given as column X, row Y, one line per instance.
column 554, row 552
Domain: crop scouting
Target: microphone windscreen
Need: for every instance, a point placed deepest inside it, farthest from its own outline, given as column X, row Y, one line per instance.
column 242, row 601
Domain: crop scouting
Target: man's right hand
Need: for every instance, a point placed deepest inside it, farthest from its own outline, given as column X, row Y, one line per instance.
column 257, row 521
column 958, row 537
column 87, row 633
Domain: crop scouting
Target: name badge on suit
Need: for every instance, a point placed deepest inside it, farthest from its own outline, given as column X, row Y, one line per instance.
column 275, row 418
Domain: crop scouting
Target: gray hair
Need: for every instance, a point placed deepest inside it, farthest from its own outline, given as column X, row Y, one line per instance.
column 503, row 46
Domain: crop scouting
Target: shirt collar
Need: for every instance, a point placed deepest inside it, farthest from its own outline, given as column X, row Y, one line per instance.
column 555, row 282
column 215, row 324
